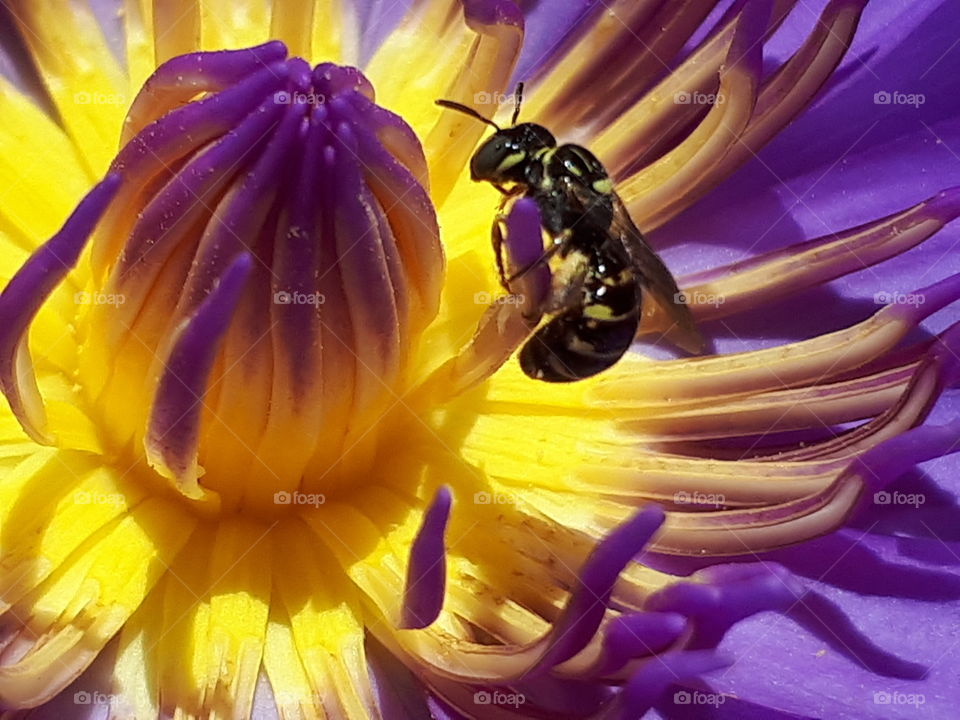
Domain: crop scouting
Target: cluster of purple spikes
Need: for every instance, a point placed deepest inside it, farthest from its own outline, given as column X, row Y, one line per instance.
column 667, row 640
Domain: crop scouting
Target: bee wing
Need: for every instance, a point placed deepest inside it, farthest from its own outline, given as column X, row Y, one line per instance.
column 657, row 281
column 594, row 203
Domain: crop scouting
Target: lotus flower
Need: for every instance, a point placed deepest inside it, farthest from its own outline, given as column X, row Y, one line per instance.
column 267, row 450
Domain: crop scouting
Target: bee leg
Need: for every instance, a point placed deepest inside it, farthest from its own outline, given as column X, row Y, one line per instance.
column 496, row 236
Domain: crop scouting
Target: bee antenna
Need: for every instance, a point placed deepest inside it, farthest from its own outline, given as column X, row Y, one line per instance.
column 517, row 101
column 451, row 105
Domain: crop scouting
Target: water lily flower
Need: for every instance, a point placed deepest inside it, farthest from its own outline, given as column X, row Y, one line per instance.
column 266, row 450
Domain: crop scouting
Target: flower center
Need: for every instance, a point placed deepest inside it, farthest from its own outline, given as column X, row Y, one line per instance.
column 260, row 278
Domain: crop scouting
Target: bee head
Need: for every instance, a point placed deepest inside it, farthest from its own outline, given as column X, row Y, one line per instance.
column 504, row 156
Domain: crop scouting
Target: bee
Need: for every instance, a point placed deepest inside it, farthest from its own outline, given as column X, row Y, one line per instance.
column 605, row 266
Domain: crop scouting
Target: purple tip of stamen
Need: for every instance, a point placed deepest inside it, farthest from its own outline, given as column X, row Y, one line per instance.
column 174, row 424
column 581, row 616
column 300, row 74
column 837, row 5
column 26, row 292
column 52, row 260
column 524, row 247
column 199, row 121
column 934, row 297
column 391, row 131
column 524, row 218
column 331, row 80
column 746, row 48
column 260, row 54
column 946, row 350
column 184, row 77
column 722, row 595
column 945, row 205
column 884, row 463
column 637, row 635
column 427, row 570
column 646, row 686
column 221, row 66
column 243, row 212
column 175, row 208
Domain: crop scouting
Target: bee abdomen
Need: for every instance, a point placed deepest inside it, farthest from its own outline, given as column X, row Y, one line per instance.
column 574, row 345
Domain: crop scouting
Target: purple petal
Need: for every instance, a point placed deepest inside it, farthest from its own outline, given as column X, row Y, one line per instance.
column 831, row 684
column 548, row 24
column 723, row 595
